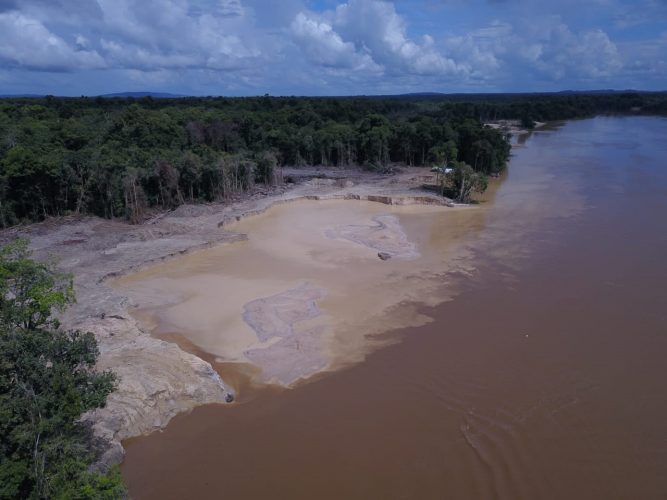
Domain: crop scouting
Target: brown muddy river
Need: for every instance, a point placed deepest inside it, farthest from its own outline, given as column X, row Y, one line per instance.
column 527, row 359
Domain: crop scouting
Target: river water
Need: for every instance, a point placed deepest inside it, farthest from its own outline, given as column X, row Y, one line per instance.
column 538, row 372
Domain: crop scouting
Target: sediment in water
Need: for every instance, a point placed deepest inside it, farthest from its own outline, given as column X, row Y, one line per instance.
column 305, row 292
column 158, row 379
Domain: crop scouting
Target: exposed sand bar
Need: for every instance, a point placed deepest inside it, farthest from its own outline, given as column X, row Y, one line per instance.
column 306, row 291
column 162, row 375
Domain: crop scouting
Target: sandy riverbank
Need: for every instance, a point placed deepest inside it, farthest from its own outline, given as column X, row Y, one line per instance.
column 158, row 379
column 307, row 289
column 542, row 379
column 514, row 128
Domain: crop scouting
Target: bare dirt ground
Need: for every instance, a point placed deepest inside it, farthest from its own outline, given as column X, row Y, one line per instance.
column 157, row 379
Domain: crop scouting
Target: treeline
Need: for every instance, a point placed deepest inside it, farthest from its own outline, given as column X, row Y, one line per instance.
column 558, row 106
column 118, row 157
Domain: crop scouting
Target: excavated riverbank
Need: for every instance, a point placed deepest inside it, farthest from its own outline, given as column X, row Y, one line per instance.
column 157, row 379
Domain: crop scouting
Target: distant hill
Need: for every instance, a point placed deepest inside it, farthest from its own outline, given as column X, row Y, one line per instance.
column 493, row 96
column 421, row 94
column 156, row 95
column 119, row 95
column 10, row 96
column 413, row 96
column 604, row 91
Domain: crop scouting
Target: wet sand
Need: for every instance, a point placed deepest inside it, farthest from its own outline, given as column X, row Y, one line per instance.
column 543, row 377
column 306, row 291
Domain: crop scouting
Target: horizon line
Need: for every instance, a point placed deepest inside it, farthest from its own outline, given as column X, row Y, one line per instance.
column 160, row 94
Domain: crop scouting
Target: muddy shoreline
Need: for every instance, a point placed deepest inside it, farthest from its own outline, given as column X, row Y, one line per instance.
column 156, row 378
column 307, row 289
column 542, row 377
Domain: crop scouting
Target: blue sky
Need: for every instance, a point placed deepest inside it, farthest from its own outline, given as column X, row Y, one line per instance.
column 330, row 47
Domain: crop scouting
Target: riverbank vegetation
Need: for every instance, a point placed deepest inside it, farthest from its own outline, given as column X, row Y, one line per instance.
column 119, row 157
column 47, row 382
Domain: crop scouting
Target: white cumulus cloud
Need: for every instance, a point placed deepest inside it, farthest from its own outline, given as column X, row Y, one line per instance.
column 26, row 42
column 367, row 34
column 332, row 47
column 324, row 46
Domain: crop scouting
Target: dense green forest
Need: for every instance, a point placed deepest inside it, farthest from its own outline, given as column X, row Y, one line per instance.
column 118, row 157
column 47, row 381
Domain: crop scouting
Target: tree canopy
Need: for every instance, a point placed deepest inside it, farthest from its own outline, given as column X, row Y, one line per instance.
column 118, row 157
column 47, row 382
